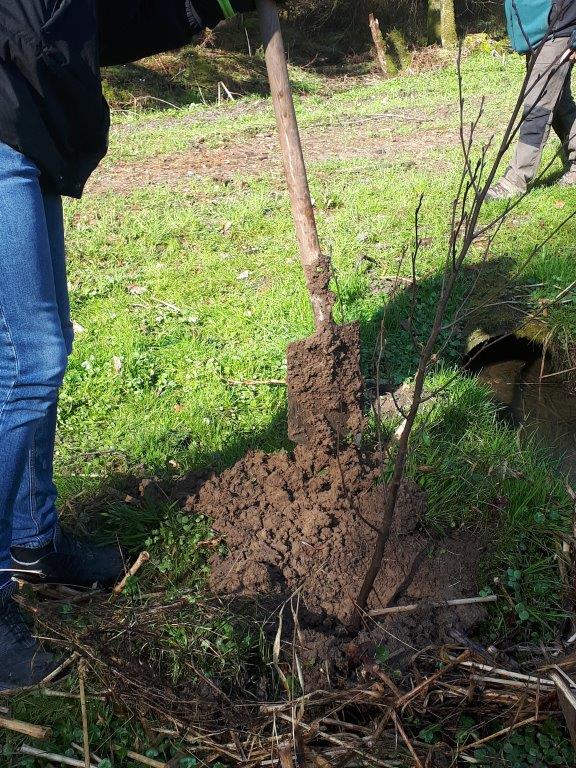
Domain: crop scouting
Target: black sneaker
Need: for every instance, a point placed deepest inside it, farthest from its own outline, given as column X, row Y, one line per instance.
column 23, row 661
column 69, row 561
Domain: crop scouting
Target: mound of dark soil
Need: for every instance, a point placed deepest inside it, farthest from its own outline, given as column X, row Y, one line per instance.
column 306, row 523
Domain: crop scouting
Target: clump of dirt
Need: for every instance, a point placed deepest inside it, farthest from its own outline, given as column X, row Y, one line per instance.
column 325, row 387
column 305, row 522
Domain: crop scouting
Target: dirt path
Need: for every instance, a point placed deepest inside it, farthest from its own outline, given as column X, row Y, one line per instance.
column 256, row 156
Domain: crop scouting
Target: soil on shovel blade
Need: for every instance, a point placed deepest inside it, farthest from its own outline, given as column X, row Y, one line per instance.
column 325, row 386
column 304, row 523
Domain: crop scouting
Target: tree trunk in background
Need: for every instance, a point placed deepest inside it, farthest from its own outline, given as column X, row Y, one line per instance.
column 442, row 23
column 434, row 27
column 379, row 43
column 448, row 24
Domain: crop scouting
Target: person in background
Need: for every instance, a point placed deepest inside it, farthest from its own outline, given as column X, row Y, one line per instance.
column 54, row 126
column 541, row 30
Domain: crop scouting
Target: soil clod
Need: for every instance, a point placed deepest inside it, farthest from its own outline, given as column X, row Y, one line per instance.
column 305, row 523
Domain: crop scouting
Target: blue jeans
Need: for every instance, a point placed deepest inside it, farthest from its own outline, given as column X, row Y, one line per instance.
column 35, row 341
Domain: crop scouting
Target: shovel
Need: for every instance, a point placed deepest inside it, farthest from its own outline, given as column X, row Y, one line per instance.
column 325, row 385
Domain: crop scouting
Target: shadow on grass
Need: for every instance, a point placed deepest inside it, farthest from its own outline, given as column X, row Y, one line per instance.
column 181, row 79
column 193, row 74
column 496, row 305
column 148, row 497
column 85, row 502
column 333, row 43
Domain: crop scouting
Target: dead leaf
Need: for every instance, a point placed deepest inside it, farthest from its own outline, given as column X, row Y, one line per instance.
column 137, row 290
column 559, row 204
column 78, row 328
column 226, row 227
column 244, row 275
column 117, row 362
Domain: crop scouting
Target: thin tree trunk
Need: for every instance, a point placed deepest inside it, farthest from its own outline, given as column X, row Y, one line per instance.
column 442, row 23
column 448, row 24
column 379, row 43
column 434, row 19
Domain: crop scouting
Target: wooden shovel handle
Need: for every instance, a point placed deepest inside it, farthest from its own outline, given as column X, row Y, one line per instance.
column 311, row 256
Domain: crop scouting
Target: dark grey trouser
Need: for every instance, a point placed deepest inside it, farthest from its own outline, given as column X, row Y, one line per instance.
column 548, row 104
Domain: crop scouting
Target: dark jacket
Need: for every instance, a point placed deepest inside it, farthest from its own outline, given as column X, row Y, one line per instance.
column 51, row 103
column 530, row 21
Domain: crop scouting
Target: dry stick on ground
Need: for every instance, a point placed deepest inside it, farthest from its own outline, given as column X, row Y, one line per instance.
column 406, row 740
column 121, row 586
column 466, row 208
column 26, row 749
column 86, row 738
column 567, row 699
column 35, row 731
column 424, row 604
column 143, row 760
column 93, row 756
column 531, row 679
column 256, row 382
column 426, row 684
column 504, row 732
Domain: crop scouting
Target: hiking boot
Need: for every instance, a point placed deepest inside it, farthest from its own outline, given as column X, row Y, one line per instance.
column 504, row 190
column 69, row 561
column 23, row 661
column 569, row 178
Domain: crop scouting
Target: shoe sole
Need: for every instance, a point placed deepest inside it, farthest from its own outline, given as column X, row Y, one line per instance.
column 56, row 676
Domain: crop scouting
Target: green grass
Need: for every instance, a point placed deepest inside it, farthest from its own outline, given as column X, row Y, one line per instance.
column 181, row 289
column 318, row 102
column 475, row 476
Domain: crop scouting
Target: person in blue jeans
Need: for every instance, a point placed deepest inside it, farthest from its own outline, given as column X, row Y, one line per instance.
column 54, row 126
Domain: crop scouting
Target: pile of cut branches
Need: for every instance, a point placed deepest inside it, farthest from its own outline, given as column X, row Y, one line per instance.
column 445, row 703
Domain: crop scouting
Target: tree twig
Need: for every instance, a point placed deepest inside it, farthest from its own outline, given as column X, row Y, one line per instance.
column 143, row 558
column 35, row 731
column 439, row 604
column 86, row 738
column 503, row 732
